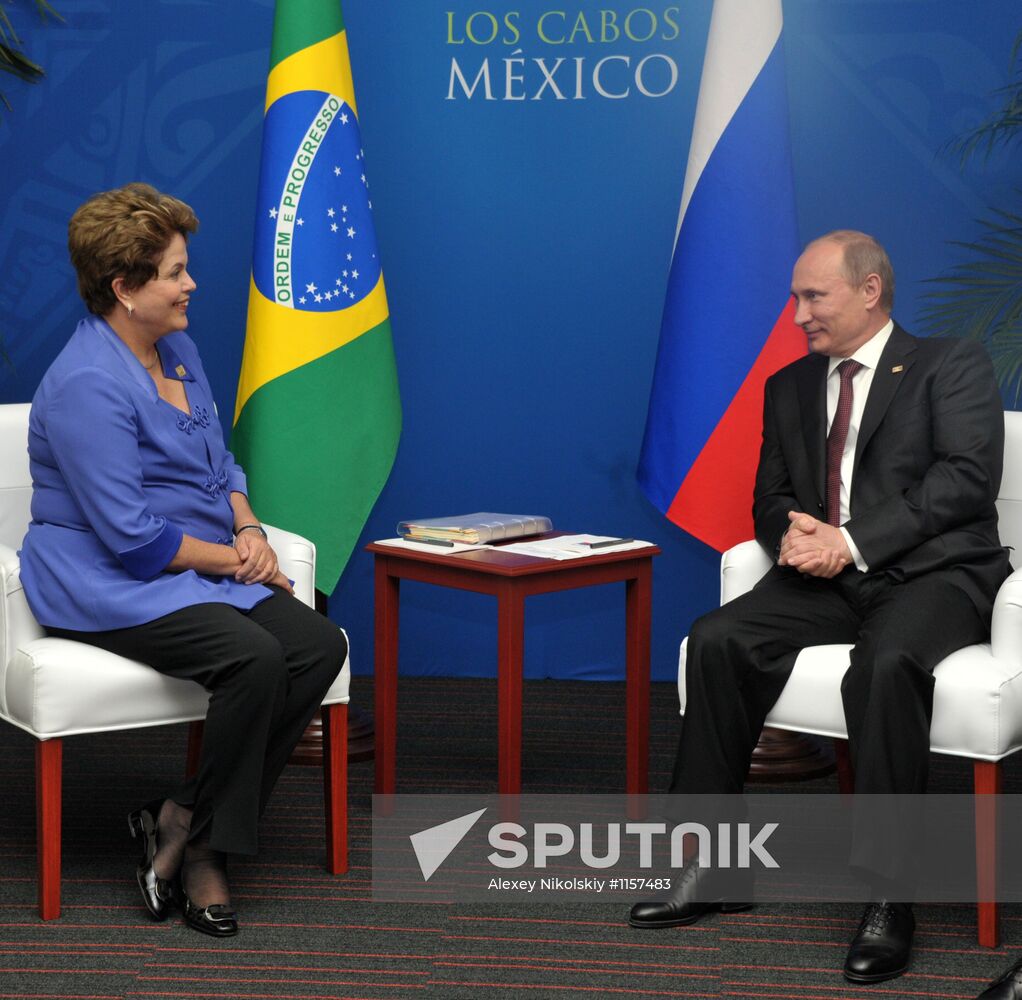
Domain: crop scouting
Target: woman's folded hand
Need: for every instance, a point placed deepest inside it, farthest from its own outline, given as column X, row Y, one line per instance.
column 258, row 560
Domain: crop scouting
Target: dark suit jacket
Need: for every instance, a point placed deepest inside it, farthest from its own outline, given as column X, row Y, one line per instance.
column 927, row 462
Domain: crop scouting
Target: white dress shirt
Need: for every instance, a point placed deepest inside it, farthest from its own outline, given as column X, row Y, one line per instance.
column 869, row 357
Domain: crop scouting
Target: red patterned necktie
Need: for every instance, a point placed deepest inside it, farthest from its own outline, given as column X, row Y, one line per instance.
column 836, row 440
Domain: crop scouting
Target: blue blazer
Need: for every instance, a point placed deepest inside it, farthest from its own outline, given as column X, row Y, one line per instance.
column 119, row 475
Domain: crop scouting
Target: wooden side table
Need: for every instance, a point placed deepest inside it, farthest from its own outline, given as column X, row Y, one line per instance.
column 511, row 578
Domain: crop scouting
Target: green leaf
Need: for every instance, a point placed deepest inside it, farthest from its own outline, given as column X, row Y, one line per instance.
column 1001, row 127
column 981, row 297
column 12, row 56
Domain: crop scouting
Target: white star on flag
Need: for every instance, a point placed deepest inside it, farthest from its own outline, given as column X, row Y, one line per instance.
column 333, row 227
column 273, row 213
column 354, row 274
column 351, row 233
column 319, row 298
column 330, row 212
column 310, row 287
column 337, row 171
column 299, row 222
column 344, row 118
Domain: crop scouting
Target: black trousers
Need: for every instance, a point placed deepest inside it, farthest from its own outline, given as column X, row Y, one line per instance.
column 267, row 671
column 741, row 655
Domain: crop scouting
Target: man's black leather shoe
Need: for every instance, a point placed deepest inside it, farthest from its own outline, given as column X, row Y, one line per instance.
column 883, row 943
column 695, row 891
column 1007, row 986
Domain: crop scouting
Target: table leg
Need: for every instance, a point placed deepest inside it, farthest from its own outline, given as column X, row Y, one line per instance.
column 638, row 615
column 510, row 646
column 385, row 693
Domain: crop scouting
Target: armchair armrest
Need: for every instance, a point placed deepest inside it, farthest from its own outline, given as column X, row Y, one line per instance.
column 1006, row 628
column 9, row 561
column 741, row 568
column 17, row 625
column 297, row 559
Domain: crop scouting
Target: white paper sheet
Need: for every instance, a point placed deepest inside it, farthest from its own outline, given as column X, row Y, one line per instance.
column 572, row 546
column 443, row 550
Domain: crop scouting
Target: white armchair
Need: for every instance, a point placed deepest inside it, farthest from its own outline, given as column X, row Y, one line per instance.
column 55, row 688
column 977, row 704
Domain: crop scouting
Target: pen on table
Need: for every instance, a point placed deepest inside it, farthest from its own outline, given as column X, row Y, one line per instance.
column 431, row 541
column 609, row 541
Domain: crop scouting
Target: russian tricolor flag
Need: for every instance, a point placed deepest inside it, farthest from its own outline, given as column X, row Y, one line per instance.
column 727, row 322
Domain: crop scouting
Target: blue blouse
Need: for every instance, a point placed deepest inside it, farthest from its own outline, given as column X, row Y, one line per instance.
column 118, row 477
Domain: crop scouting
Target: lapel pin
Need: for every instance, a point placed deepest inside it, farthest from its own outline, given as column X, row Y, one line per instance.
column 181, row 371
column 897, row 368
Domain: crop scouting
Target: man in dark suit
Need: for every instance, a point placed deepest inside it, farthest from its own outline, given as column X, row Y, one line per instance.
column 880, row 463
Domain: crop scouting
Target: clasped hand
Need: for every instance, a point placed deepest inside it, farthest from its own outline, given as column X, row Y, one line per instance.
column 813, row 547
column 258, row 561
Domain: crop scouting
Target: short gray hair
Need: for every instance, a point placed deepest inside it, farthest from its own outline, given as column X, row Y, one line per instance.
column 863, row 256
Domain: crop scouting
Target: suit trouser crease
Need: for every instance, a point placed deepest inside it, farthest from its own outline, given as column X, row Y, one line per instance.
column 740, row 657
column 267, row 671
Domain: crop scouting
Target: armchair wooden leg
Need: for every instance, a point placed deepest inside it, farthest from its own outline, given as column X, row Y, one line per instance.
column 987, row 784
column 335, row 786
column 48, row 757
column 845, row 771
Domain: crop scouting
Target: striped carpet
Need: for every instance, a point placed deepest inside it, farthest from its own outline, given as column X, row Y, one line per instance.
column 307, row 934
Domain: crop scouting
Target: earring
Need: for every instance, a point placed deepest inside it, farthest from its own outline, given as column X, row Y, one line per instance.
column 130, row 308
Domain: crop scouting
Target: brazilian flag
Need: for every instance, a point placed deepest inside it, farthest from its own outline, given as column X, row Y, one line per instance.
column 318, row 413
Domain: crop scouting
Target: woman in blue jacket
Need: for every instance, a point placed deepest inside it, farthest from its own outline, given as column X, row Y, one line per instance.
column 142, row 542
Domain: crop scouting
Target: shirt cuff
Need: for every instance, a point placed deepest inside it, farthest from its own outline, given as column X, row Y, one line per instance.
column 236, row 481
column 860, row 563
column 146, row 561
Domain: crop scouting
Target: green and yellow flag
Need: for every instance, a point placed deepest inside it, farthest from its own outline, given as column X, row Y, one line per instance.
column 318, row 413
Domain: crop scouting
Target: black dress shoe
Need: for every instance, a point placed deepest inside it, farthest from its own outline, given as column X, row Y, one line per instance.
column 883, row 943
column 157, row 893
column 1007, row 986
column 216, row 920
column 695, row 892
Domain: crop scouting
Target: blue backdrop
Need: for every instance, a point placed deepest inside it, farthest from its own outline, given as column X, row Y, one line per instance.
column 525, row 238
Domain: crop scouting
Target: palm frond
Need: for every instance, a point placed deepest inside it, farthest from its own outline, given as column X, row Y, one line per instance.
column 981, row 297
column 46, row 10
column 12, row 55
column 16, row 62
column 1006, row 353
column 1001, row 126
